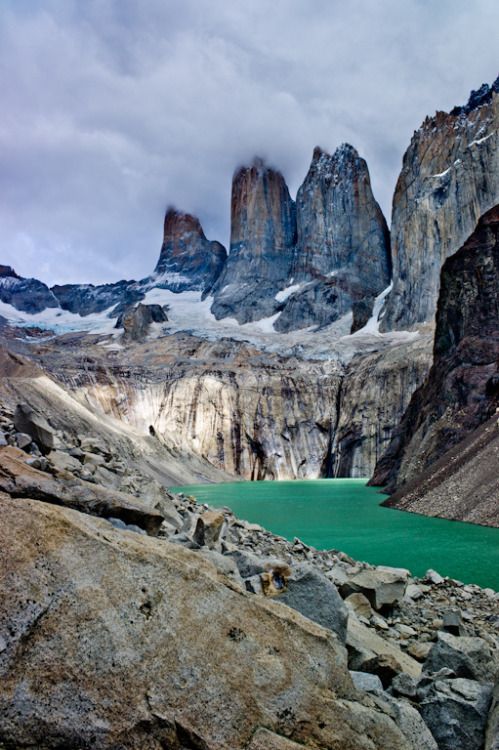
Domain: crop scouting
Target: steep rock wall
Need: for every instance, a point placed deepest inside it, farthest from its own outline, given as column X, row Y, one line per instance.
column 254, row 423
column 449, row 178
column 342, row 254
column 263, row 233
column 462, row 389
column 375, row 393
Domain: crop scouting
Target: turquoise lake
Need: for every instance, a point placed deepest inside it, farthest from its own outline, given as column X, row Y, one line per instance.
column 346, row 515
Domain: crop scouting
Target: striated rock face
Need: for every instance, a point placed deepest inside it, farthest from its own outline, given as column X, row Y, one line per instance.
column 449, row 178
column 374, row 394
column 462, row 388
column 263, row 234
column 28, row 295
column 115, row 619
column 343, row 241
column 250, row 415
column 188, row 261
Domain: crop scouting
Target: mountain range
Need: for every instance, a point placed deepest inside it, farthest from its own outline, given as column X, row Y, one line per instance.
column 317, row 308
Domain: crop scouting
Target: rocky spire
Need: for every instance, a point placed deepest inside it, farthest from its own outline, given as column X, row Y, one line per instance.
column 343, row 244
column 263, row 233
column 449, row 177
column 339, row 223
column 187, row 259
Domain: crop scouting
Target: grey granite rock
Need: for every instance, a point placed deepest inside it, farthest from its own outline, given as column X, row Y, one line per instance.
column 456, row 712
column 450, row 176
column 312, row 594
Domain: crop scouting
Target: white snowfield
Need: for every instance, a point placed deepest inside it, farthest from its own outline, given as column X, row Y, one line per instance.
column 188, row 312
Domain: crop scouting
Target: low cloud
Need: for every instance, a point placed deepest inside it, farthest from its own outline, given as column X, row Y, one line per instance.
column 113, row 109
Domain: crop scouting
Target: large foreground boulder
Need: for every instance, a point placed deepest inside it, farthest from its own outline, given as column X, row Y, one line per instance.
column 110, row 639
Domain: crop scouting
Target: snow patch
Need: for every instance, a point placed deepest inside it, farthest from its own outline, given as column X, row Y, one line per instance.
column 442, row 174
column 287, row 292
column 481, row 140
column 372, row 325
column 60, row 321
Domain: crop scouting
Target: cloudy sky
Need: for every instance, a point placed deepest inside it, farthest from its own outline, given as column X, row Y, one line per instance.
column 113, row 109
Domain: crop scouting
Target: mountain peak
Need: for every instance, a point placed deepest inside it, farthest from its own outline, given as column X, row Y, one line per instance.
column 179, row 224
column 477, row 98
column 8, row 272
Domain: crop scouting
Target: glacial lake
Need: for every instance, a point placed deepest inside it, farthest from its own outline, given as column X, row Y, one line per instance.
column 345, row 514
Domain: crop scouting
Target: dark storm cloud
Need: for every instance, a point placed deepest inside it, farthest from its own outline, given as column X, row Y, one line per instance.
column 113, row 109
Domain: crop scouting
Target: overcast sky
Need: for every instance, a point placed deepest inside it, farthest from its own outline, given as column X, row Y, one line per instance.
column 113, row 109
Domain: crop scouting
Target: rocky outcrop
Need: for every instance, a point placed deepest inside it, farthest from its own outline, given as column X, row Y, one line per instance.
column 29, row 295
column 21, row 480
column 188, row 261
column 449, row 178
column 85, row 299
column 136, row 321
column 342, row 245
column 245, row 663
column 263, row 234
column 461, row 391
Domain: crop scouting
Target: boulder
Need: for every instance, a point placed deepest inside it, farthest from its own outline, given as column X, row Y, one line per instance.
column 492, row 735
column 34, row 424
column 405, row 685
column 363, row 644
column 250, row 564
column 20, row 480
column 64, row 462
column 385, row 666
column 312, row 594
column 467, row 657
column 370, row 683
column 409, row 720
column 419, row 650
column 223, row 564
column 452, row 622
column 208, row 528
column 382, row 586
column 456, row 712
column 127, row 641
column 23, row 440
column 359, row 604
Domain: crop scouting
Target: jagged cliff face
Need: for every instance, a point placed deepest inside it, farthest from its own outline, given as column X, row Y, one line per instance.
column 342, row 254
column 188, row 260
column 462, row 389
column 449, row 178
column 263, row 233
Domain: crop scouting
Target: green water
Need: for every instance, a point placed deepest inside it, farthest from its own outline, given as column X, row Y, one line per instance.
column 344, row 514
